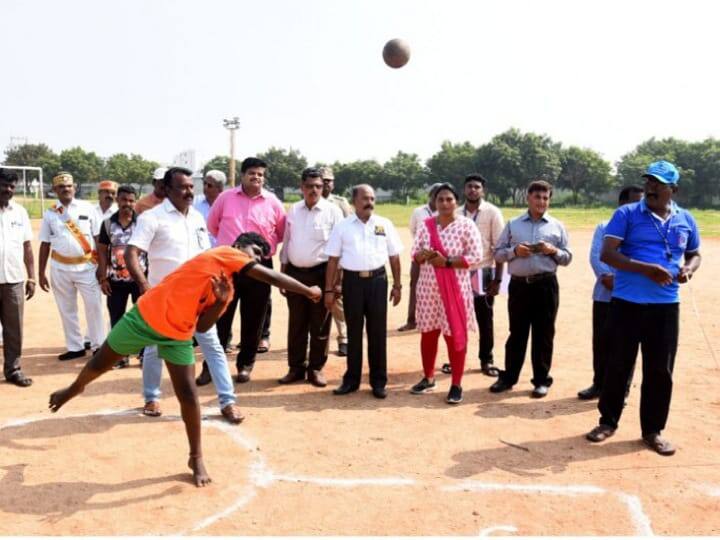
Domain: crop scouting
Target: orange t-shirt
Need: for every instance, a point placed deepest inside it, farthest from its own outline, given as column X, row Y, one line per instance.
column 172, row 307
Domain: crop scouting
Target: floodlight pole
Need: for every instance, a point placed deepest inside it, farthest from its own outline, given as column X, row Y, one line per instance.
column 232, row 126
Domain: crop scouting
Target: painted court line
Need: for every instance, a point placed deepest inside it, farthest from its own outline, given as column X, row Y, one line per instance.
column 261, row 476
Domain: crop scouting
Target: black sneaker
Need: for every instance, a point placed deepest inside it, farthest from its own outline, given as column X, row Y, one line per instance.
column 71, row 355
column 423, row 387
column 454, row 395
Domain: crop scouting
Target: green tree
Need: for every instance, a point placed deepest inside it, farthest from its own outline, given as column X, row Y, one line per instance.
column 583, row 171
column 513, row 159
column 284, row 168
column 221, row 163
column 351, row 174
column 129, row 170
column 453, row 163
column 86, row 167
column 34, row 155
column 403, row 174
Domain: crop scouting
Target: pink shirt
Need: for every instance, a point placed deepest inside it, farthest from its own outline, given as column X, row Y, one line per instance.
column 234, row 213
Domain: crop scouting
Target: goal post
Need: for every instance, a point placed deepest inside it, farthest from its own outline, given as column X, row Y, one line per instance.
column 32, row 184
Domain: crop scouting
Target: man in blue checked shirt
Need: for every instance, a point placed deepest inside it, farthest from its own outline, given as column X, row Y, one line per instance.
column 605, row 277
column 654, row 246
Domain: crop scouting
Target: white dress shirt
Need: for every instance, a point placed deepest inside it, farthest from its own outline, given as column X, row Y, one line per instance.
column 202, row 205
column 419, row 215
column 15, row 230
column 363, row 246
column 102, row 216
column 54, row 231
column 307, row 231
column 169, row 238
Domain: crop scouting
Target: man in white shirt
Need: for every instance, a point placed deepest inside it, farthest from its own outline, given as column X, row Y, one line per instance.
column 16, row 258
column 107, row 195
column 307, row 229
column 172, row 233
column 419, row 215
column 490, row 223
column 361, row 245
column 213, row 185
column 70, row 228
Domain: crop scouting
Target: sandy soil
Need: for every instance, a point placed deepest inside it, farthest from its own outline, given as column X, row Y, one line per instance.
column 307, row 462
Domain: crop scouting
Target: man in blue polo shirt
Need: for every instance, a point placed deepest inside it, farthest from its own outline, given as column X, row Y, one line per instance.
column 654, row 245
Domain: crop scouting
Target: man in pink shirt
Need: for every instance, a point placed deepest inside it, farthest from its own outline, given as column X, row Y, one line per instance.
column 247, row 208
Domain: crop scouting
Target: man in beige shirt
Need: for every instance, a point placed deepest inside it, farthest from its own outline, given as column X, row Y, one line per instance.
column 486, row 281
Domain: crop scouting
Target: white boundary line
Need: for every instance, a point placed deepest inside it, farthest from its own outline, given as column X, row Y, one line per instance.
column 261, row 476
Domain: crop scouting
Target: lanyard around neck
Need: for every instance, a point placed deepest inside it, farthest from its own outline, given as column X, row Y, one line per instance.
column 663, row 235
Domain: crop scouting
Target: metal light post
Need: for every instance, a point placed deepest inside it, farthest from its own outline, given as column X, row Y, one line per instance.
column 232, row 126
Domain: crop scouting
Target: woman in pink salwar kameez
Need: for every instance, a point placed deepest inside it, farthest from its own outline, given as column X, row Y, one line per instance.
column 446, row 247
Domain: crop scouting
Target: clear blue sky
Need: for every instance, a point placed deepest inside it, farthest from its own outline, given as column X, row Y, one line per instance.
column 157, row 77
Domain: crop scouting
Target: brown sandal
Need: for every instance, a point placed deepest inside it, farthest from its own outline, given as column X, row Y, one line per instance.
column 232, row 414
column 152, row 408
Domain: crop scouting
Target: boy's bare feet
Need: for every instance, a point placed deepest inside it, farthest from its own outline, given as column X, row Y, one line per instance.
column 200, row 475
column 60, row 397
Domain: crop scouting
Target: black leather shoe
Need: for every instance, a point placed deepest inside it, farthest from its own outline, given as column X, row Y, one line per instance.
column 591, row 392
column 344, row 389
column 243, row 375
column 500, row 386
column 539, row 391
column 71, row 355
column 342, row 349
column 204, row 378
column 379, row 393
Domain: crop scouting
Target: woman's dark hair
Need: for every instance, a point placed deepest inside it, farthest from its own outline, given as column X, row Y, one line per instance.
column 446, row 187
column 250, row 238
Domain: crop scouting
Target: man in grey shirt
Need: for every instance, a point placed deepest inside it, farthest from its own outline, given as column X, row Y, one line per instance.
column 533, row 245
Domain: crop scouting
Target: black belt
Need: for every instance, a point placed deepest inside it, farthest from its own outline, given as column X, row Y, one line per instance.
column 534, row 277
column 315, row 268
column 366, row 273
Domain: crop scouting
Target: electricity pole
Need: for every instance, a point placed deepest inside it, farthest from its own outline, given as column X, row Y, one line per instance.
column 232, row 126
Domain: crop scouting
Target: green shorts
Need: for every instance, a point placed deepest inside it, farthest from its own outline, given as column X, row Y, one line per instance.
column 132, row 333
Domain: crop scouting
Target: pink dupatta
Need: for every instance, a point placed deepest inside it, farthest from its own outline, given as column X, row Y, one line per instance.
column 450, row 291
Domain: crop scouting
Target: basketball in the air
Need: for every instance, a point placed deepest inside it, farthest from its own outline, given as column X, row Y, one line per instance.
column 396, row 53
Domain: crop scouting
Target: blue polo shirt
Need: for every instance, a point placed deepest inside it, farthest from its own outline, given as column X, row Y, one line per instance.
column 646, row 238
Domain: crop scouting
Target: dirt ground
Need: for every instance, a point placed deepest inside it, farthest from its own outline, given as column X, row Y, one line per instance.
column 307, row 462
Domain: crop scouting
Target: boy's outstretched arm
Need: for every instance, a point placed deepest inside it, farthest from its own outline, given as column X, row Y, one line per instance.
column 283, row 281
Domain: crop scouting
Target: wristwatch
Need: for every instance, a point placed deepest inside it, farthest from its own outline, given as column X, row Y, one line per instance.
column 448, row 263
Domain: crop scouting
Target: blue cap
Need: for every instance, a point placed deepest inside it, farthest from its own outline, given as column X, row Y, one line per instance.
column 663, row 171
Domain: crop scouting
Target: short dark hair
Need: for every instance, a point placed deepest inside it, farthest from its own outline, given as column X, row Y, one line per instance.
column 475, row 177
column 126, row 188
column 356, row 189
column 172, row 171
column 445, row 187
column 249, row 163
column 625, row 193
column 311, row 172
column 8, row 175
column 540, row 185
column 250, row 238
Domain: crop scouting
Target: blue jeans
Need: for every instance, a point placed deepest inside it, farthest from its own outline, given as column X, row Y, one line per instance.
column 215, row 358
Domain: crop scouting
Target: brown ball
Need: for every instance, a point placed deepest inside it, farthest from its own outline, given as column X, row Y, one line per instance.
column 396, row 53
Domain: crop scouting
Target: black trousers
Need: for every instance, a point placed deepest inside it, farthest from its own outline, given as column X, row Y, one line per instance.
column 253, row 298
column 12, row 308
column 365, row 302
column 601, row 345
column 307, row 318
column 654, row 328
column 531, row 306
column 117, row 301
column 484, row 315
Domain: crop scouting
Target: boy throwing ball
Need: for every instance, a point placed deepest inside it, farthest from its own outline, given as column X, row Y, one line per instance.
column 191, row 298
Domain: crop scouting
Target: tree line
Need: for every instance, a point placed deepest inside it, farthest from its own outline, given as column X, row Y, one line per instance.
column 509, row 160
